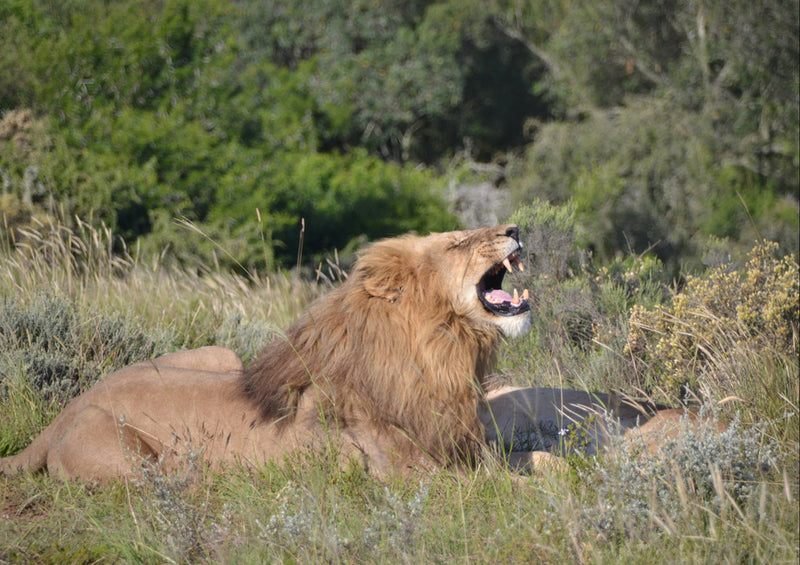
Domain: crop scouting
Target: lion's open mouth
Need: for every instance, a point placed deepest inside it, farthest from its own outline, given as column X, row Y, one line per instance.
column 491, row 293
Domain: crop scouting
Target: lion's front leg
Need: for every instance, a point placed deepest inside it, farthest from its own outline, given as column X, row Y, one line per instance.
column 96, row 446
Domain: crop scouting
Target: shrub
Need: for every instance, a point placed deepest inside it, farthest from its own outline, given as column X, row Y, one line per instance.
column 722, row 314
column 699, row 467
column 563, row 309
column 176, row 524
column 579, row 311
column 62, row 350
column 548, row 237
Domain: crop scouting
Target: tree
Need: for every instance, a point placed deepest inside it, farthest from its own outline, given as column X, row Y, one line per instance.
column 681, row 125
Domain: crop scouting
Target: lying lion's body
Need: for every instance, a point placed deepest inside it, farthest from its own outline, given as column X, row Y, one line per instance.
column 390, row 365
column 155, row 409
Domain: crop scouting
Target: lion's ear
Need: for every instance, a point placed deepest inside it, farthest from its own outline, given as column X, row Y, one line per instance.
column 385, row 274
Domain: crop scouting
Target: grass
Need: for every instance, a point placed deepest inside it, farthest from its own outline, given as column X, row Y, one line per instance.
column 71, row 311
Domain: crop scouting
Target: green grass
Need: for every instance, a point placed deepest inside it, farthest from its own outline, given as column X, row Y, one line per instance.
column 71, row 312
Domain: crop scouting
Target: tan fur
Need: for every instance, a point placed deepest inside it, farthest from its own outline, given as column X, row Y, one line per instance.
column 391, row 366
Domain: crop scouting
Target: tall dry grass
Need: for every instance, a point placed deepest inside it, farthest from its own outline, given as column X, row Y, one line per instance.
column 97, row 272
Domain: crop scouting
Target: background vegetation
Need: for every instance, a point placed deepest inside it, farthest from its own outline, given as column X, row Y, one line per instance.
column 670, row 126
column 164, row 162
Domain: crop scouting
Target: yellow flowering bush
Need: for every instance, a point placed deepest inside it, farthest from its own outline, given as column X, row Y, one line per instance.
column 716, row 317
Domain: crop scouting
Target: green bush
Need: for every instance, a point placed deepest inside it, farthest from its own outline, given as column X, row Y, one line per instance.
column 549, row 238
column 212, row 111
column 150, row 112
column 341, row 198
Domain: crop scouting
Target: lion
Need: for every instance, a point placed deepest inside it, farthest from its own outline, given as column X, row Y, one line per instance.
column 388, row 369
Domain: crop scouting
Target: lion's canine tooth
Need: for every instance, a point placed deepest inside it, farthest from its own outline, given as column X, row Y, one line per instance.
column 526, row 295
column 507, row 264
column 520, row 266
column 515, row 300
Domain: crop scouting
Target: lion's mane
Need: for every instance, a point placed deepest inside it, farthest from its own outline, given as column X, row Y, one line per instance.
column 388, row 351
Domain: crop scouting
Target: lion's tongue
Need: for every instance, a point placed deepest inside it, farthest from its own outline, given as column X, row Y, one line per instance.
column 498, row 296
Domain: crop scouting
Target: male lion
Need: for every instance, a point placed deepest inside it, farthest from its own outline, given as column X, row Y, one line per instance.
column 388, row 368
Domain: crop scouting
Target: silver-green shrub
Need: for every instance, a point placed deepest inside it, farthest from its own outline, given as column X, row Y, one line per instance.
column 61, row 349
column 701, row 467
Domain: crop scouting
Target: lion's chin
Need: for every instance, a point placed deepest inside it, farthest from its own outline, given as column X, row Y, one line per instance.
column 514, row 326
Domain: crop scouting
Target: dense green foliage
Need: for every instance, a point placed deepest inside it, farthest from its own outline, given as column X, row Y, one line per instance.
column 681, row 122
column 144, row 112
column 671, row 124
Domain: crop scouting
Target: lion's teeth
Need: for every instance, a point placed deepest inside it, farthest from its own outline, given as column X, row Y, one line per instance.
column 515, row 300
column 507, row 264
column 520, row 266
column 526, row 295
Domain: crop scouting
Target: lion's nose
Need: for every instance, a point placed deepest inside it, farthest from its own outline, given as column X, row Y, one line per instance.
column 513, row 232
